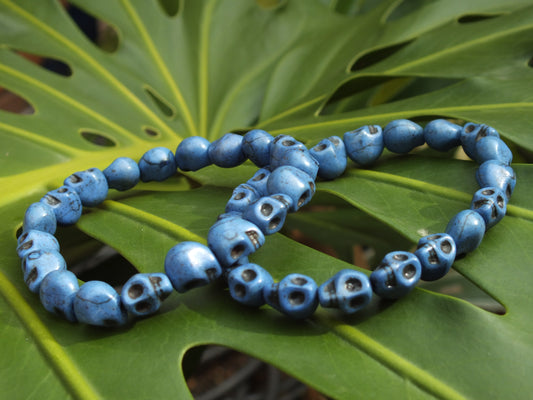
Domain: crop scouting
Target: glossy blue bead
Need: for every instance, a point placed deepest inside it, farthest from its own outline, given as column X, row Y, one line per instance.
column 192, row 153
column 142, row 294
column 40, row 216
column 295, row 296
column 267, row 213
column 35, row 240
column 467, row 229
column 472, row 133
column 246, row 283
column 242, row 196
column 57, row 293
column 122, row 174
column 91, row 186
column 256, row 147
column 493, row 148
column 40, row 263
column 495, row 174
column 226, row 152
column 364, row 145
column 293, row 183
column 288, row 151
column 349, row 291
column 66, row 204
column 402, row 136
column 397, row 275
column 491, row 204
column 189, row 265
column 436, row 254
column 259, row 181
column 157, row 164
column 442, row 135
column 331, row 156
column 97, row 303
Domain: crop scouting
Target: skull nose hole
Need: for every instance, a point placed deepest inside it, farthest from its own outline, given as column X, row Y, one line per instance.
column 372, row 129
column 500, row 201
column 409, row 271
column 258, row 177
column 303, row 198
column 32, row 276
column 237, row 251
column 400, row 257
column 487, row 192
column 433, row 258
column 142, row 307
column 26, row 245
column 135, row 291
column 446, row 247
column 321, row 147
column 75, row 178
column 266, row 209
column 239, row 196
column 211, row 274
column 299, row 281
column 248, row 275
column 482, row 132
column 469, row 128
column 334, row 140
column 51, row 200
column 357, row 301
column 296, row 298
column 240, row 290
column 494, row 212
column 274, row 223
column 353, row 285
column 62, row 190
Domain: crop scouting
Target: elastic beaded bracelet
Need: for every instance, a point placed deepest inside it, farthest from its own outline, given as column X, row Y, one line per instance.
column 284, row 183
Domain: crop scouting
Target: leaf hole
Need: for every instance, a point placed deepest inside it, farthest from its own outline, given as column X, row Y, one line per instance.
column 470, row 18
column 163, row 105
column 150, row 132
column 376, row 55
column 97, row 139
column 170, row 7
column 14, row 103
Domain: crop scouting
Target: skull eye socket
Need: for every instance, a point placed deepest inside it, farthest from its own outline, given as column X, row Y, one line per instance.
column 482, row 132
column 288, row 143
column 433, row 257
column 500, row 201
column 296, row 298
column 26, row 245
column 400, row 257
column 274, row 223
column 409, row 271
column 479, row 204
column 239, row 196
column 62, row 190
column 258, row 177
column 75, row 178
column 353, row 285
column 469, row 128
column 446, row 246
column 299, row 281
column 357, row 301
column 248, row 275
column 334, row 140
column 240, row 290
column 237, row 251
column 266, row 209
column 142, row 307
column 321, row 147
column 487, row 192
column 372, row 129
column 135, row 291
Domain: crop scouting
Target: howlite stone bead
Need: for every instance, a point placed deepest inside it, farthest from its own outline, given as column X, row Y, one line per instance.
column 288, row 151
column 259, row 181
column 295, row 296
column 40, row 263
column 331, row 156
column 226, row 152
column 493, row 148
column 495, row 174
column 256, row 146
column 436, row 254
column 35, row 240
column 442, row 135
column 189, row 265
column 397, row 275
column 157, row 164
column 349, row 291
column 40, row 217
column 142, row 294
column 246, row 283
column 66, row 204
column 402, row 136
column 286, row 200
column 192, row 153
column 364, row 145
column 91, row 186
column 57, row 292
column 97, row 303
column 242, row 196
column 267, row 213
column 472, row 133
column 292, row 182
column 491, row 204
column 122, row 174
column 467, row 229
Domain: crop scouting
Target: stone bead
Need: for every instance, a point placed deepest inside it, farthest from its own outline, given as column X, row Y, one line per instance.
column 491, row 204
column 495, row 174
column 267, row 213
column 40, row 263
column 349, row 291
column 295, row 296
column 35, row 240
column 246, row 283
column 192, row 153
column 436, row 254
column 292, row 182
column 259, row 181
column 397, row 275
column 142, row 294
column 122, row 174
column 66, row 204
column 57, row 292
column 493, row 148
column 256, row 146
column 401, row 136
column 364, row 145
column 467, row 229
column 442, row 135
column 242, row 196
column 472, row 133
column 226, row 152
column 97, row 303
column 40, row 217
column 189, row 265
column 288, row 151
column 331, row 156
column 286, row 200
column 91, row 186
column 157, row 164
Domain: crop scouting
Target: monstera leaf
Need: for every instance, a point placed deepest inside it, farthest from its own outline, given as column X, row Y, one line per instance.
column 311, row 69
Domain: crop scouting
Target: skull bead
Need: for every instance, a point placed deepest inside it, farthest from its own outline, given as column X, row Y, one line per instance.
column 97, row 303
column 259, row 181
column 122, row 174
column 91, row 186
column 491, row 204
column 242, row 196
column 142, row 293
column 293, row 183
column 66, row 204
column 57, row 292
column 246, row 283
column 256, row 146
column 288, row 151
column 331, row 156
column 496, row 174
column 467, row 229
column 349, row 290
column 472, row 133
column 35, row 240
column 41, row 217
column 267, row 213
column 364, row 145
column 397, row 275
column 436, row 254
column 40, row 263
column 295, row 296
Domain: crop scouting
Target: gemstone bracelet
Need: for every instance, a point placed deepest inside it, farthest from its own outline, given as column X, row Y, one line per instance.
column 284, row 183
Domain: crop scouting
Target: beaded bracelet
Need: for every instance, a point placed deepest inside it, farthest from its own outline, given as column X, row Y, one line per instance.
column 284, row 183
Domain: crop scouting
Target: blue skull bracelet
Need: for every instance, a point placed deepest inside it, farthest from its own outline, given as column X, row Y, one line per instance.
column 284, row 183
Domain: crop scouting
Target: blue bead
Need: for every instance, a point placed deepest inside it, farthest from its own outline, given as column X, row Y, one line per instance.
column 471, row 133
column 192, row 153
column 288, row 151
column 256, row 146
column 189, row 265
column 57, row 293
column 226, row 152
column 122, row 174
column 436, row 254
column 40, row 263
column 467, row 229
column 402, row 136
column 364, row 145
column 97, row 303
column 157, row 164
column 286, row 200
column 142, row 294
column 246, row 283
column 242, row 196
column 331, row 156
column 491, row 204
column 294, row 183
column 259, row 181
column 40, row 216
column 295, row 296
column 442, row 135
column 493, row 148
column 267, row 213
column 91, row 186
column 348, row 290
column 495, row 174
column 66, row 204
column 397, row 275
column 35, row 240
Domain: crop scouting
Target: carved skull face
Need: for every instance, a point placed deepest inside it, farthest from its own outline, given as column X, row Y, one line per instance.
column 436, row 254
column 66, row 204
column 242, row 196
column 348, row 290
column 491, row 204
column 267, row 213
column 397, row 275
column 142, row 293
column 246, row 284
column 295, row 295
column 91, row 186
column 34, row 240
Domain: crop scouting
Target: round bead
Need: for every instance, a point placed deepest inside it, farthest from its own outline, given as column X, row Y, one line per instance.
column 91, row 186
column 97, row 303
column 246, row 283
column 349, row 291
column 397, row 275
column 471, row 133
column 35, row 240
column 192, row 153
column 491, row 204
column 288, row 151
column 226, row 152
column 122, row 174
column 267, row 213
column 40, row 263
column 57, row 292
column 295, row 296
column 157, row 164
column 442, row 135
column 256, row 146
column 66, row 204
column 467, row 229
column 493, row 148
column 40, row 216
column 436, row 254
column 259, row 181
column 495, row 174
column 294, row 183
column 142, row 293
column 402, row 136
column 331, row 156
column 242, row 196
column 364, row 145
